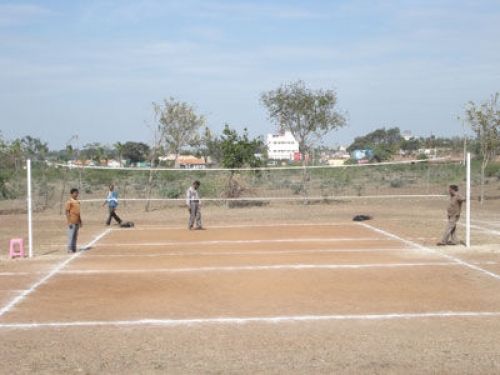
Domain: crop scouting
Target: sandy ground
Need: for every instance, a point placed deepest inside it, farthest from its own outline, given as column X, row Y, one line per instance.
column 95, row 314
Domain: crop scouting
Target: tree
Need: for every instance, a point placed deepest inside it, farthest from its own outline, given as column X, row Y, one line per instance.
column 178, row 124
column 209, row 146
column 383, row 142
column 484, row 120
column 119, row 147
column 34, row 148
column 238, row 151
column 307, row 114
column 136, row 152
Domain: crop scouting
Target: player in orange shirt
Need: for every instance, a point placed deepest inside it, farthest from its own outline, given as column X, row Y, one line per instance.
column 73, row 218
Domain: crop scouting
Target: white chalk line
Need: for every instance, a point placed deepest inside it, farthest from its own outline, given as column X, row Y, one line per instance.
column 259, row 268
column 48, row 276
column 495, row 224
column 274, row 267
column 254, row 252
column 485, row 230
column 223, row 242
column 183, row 228
column 253, row 320
column 429, row 250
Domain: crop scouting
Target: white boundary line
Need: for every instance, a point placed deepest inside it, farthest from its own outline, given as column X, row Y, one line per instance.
column 495, row 224
column 251, row 268
column 249, row 320
column 254, row 252
column 429, row 250
column 220, row 242
column 261, row 268
column 44, row 279
column 184, row 228
column 486, row 230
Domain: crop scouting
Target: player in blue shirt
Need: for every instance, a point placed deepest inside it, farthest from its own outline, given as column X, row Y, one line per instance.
column 112, row 202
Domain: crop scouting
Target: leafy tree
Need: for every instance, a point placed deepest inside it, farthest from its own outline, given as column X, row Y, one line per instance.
column 16, row 153
column 178, row 124
column 136, row 152
column 209, row 146
column 34, row 148
column 6, row 168
column 411, row 145
column 119, row 147
column 384, row 143
column 238, row 151
column 307, row 114
column 484, row 119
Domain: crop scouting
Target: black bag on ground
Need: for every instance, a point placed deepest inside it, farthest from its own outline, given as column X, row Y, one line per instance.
column 361, row 217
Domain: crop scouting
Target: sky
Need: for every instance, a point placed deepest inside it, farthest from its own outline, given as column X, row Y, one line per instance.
column 93, row 68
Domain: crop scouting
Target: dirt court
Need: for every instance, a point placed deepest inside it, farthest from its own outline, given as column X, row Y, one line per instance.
column 283, row 292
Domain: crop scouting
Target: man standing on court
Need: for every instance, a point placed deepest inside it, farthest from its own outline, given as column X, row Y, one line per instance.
column 73, row 218
column 194, row 206
column 112, row 202
column 454, row 209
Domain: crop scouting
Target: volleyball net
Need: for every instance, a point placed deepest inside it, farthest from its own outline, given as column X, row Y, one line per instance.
column 282, row 191
column 264, row 185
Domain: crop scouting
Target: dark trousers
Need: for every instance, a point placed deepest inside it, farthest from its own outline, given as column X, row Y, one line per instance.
column 113, row 215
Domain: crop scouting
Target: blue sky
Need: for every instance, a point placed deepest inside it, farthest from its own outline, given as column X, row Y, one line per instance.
column 93, row 68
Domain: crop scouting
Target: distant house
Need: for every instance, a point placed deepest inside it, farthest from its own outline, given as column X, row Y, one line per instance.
column 190, row 162
column 113, row 163
column 282, row 146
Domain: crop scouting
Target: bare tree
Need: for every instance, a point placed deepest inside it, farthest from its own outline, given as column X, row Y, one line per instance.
column 484, row 120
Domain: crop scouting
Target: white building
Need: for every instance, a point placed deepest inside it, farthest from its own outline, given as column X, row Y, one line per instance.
column 281, row 146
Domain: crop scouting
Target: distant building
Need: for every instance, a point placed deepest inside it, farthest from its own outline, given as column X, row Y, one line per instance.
column 190, row 162
column 282, row 146
column 407, row 135
column 113, row 163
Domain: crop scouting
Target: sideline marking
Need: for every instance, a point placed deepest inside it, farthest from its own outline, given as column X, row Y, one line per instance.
column 247, row 320
column 257, row 252
column 483, row 229
column 183, row 228
column 429, row 250
column 219, row 242
column 52, row 273
column 261, row 268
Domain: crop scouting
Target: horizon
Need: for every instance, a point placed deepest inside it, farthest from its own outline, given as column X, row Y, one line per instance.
column 392, row 64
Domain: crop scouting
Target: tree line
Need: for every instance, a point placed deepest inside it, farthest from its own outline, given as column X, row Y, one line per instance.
column 307, row 113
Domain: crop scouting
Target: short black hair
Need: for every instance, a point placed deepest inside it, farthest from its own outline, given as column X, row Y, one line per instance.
column 196, row 183
column 74, row 190
column 454, row 187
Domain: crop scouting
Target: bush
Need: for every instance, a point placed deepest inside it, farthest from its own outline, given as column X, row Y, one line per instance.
column 492, row 170
column 422, row 157
column 171, row 192
column 396, row 183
